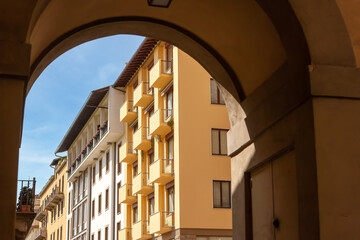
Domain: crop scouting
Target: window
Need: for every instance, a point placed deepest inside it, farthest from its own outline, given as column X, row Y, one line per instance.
column 135, row 169
column 151, row 204
column 69, row 207
column 99, row 205
column 169, row 103
column 170, row 147
column 100, row 168
column 107, row 161
column 62, row 185
column 57, row 234
column 99, row 235
column 170, row 196
column 84, row 215
column 118, row 227
column 107, row 199
column 85, row 183
column 93, row 208
column 219, row 141
column 215, row 94
column 119, row 163
column 93, row 174
column 68, row 230
column 135, row 212
column 118, row 201
column 221, row 194
column 61, row 233
column 92, row 237
column 106, row 232
column 151, row 156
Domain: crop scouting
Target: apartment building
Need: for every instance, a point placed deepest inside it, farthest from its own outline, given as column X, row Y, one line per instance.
column 52, row 211
column 93, row 171
column 176, row 169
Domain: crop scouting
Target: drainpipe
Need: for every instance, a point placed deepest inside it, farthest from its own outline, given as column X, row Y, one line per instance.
column 114, row 211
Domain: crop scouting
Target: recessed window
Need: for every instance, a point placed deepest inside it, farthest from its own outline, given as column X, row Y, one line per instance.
column 221, row 194
column 99, row 205
column 215, row 94
column 135, row 212
column 106, row 199
column 151, row 204
column 219, row 141
column 170, row 196
column 135, row 169
column 99, row 235
column 118, row 226
column 100, row 168
column 118, row 201
column 93, row 174
column 107, row 161
column 106, row 233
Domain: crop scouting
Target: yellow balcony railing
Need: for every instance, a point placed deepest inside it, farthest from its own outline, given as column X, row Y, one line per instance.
column 128, row 112
column 125, row 194
column 161, row 74
column 127, row 154
column 161, row 222
column 143, row 95
column 41, row 213
column 124, row 234
column 55, row 197
column 161, row 122
column 139, row 230
column 140, row 184
column 142, row 139
column 161, row 171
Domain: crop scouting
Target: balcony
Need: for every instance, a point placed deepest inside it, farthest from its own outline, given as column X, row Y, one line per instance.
column 140, row 184
column 161, row 74
column 55, row 197
column 87, row 150
column 139, row 230
column 125, row 194
column 128, row 112
column 142, row 139
column 143, row 95
column 124, row 234
column 39, row 234
column 162, row 171
column 161, row 122
column 127, row 154
column 161, row 222
column 41, row 213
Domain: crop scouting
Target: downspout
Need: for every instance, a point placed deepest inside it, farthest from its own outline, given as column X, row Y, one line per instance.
column 113, row 213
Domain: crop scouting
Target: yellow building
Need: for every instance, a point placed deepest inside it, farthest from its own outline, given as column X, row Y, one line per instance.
column 52, row 211
column 177, row 174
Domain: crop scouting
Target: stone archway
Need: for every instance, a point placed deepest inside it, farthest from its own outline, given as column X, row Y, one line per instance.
column 258, row 50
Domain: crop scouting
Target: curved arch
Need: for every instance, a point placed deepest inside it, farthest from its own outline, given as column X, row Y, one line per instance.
column 210, row 59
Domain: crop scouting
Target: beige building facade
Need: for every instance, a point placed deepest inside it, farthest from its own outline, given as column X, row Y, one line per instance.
column 177, row 174
column 53, row 205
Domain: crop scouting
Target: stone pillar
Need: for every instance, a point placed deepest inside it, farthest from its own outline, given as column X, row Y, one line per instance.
column 14, row 70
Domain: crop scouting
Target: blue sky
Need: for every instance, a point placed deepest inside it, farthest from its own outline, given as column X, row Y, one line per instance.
column 59, row 93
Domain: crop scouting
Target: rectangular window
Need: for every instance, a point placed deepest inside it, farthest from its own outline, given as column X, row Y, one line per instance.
column 99, row 205
column 62, row 185
column 106, row 232
column 100, row 168
column 219, row 141
column 57, row 234
column 135, row 212
column 170, row 198
column 85, row 181
column 169, row 103
column 221, row 194
column 93, row 174
column 68, row 230
column 84, row 215
column 215, row 94
column 107, row 199
column 99, row 235
column 151, row 203
column 151, row 156
column 118, row 201
column 135, row 169
column 93, row 208
column 92, row 237
column 118, row 227
column 118, row 162
column 107, row 161
column 61, row 233
column 170, row 148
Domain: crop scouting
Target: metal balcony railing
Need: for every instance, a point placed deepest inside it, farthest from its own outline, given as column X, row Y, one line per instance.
column 166, row 67
column 55, row 196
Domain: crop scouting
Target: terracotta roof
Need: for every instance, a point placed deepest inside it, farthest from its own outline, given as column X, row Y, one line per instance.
column 83, row 116
column 135, row 62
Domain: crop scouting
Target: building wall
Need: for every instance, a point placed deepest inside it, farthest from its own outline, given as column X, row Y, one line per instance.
column 197, row 167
